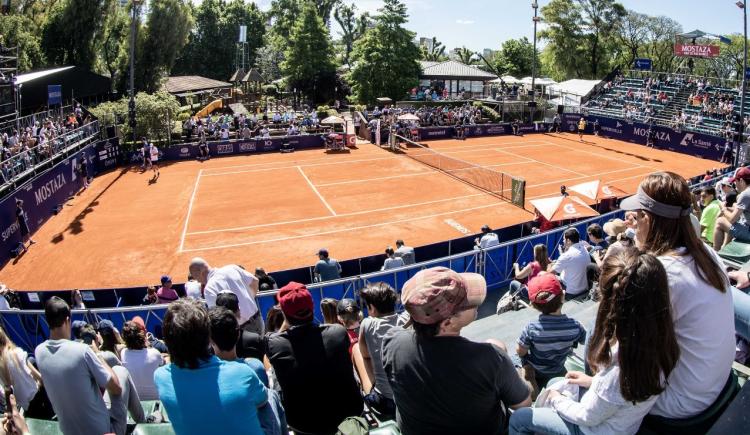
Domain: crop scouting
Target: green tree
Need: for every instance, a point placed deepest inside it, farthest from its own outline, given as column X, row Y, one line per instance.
column 112, row 49
column 465, row 55
column 269, row 62
column 436, row 52
column 15, row 32
column 325, row 8
column 660, row 46
column 166, row 33
column 631, row 36
column 515, row 58
column 155, row 112
column 308, row 62
column 386, row 58
column 70, row 31
column 352, row 28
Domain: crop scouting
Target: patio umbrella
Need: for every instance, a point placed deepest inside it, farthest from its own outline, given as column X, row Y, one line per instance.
column 560, row 208
column 332, row 120
column 408, row 117
column 596, row 190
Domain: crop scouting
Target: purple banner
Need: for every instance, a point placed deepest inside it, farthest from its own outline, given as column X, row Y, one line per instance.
column 242, row 146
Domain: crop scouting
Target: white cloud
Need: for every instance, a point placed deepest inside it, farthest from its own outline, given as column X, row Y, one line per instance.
column 465, row 22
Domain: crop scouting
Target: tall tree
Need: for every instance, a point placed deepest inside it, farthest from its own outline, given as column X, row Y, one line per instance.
column 71, row 29
column 309, row 56
column 113, row 47
column 660, row 47
column 435, row 52
column 386, row 57
column 15, row 32
column 352, row 28
column 632, row 35
column 516, row 57
column 168, row 25
column 465, row 55
column 325, row 8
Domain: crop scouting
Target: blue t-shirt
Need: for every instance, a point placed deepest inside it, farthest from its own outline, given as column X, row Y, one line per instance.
column 328, row 269
column 549, row 340
column 217, row 397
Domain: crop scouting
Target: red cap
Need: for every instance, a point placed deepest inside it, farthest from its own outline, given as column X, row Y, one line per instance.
column 138, row 320
column 296, row 302
column 546, row 282
column 742, row 172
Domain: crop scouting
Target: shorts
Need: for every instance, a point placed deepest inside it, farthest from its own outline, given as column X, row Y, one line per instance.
column 741, row 232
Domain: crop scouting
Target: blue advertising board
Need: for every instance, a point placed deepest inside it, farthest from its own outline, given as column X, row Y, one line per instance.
column 54, row 95
column 242, row 146
column 642, row 64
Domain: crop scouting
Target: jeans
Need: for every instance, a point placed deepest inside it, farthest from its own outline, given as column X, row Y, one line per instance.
column 741, row 312
column 519, row 289
column 540, row 421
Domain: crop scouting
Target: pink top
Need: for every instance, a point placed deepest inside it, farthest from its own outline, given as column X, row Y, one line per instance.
column 535, row 269
column 166, row 296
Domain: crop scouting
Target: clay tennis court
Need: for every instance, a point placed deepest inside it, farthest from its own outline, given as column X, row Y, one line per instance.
column 276, row 210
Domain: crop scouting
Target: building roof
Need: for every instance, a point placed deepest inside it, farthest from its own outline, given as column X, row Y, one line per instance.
column 454, row 69
column 23, row 78
column 253, row 76
column 180, row 84
column 237, row 76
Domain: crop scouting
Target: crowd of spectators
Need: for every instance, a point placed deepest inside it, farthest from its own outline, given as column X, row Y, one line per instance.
column 252, row 125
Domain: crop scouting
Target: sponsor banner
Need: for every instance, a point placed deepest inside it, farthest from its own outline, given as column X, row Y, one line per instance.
column 224, row 148
column 41, row 196
column 54, row 95
column 696, row 50
column 108, row 154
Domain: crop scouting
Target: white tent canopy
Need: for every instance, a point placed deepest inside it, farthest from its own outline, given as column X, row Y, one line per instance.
column 332, row 120
column 539, row 81
column 575, row 87
column 566, row 100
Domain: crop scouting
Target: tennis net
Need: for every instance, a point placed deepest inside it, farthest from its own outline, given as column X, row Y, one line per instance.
column 499, row 184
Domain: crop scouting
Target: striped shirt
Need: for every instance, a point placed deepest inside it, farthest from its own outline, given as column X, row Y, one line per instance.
column 550, row 340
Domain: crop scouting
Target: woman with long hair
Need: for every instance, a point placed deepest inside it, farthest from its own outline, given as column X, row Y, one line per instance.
column 530, row 271
column 630, row 361
column 698, row 289
column 328, row 308
column 17, row 372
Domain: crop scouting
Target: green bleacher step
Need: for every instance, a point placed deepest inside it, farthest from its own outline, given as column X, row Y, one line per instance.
column 736, row 252
column 43, row 427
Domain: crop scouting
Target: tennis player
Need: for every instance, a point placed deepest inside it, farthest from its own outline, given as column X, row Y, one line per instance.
column 154, row 153
column 581, row 128
column 146, row 152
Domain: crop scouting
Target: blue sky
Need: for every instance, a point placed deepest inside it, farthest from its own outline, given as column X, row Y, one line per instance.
column 480, row 24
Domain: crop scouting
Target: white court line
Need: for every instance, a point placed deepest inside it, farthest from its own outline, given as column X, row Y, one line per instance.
column 296, row 165
column 483, row 148
column 189, row 210
column 363, row 180
column 542, row 163
column 599, row 154
column 312, row 186
column 587, row 176
column 250, row 170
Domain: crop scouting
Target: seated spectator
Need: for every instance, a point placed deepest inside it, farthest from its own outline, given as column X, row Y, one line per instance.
column 76, row 300
column 442, row 382
column 572, row 264
column 698, row 287
column 224, row 339
column 529, row 271
column 150, row 297
column 329, row 308
column 709, row 214
column 111, row 340
column 733, row 223
column 627, row 380
column 488, row 239
column 249, row 344
column 380, row 299
column 140, row 360
column 546, row 342
column 74, row 377
column 166, row 293
column 349, row 316
column 313, row 366
column 201, row 393
column 275, row 320
column 17, row 372
column 326, row 269
column 265, row 281
column 391, row 261
column 597, row 248
column 405, row 252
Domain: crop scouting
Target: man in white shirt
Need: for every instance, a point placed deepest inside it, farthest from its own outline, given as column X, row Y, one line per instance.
column 488, row 239
column 234, row 279
column 571, row 266
column 405, row 252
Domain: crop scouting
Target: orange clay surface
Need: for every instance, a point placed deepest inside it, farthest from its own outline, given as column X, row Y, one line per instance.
column 276, row 210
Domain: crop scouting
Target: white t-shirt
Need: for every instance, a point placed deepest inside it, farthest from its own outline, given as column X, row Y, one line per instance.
column 24, row 385
column 236, row 280
column 142, row 363
column 4, row 305
column 193, row 289
column 704, row 325
column 154, row 153
column 572, row 269
column 489, row 240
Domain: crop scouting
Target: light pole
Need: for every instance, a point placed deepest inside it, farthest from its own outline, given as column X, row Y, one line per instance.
column 535, row 6
column 131, row 90
column 741, row 126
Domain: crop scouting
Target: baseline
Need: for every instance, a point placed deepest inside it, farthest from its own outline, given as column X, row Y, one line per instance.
column 189, row 211
column 312, row 186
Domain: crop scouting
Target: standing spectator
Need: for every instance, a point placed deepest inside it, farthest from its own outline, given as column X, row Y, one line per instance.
column 442, row 382
column 150, row 297
column 74, row 377
column 329, row 308
column 201, row 393
column 711, row 210
column 405, row 252
column 326, row 269
column 734, row 222
column 83, row 174
column 166, row 293
column 265, row 281
column 572, row 264
column 391, row 260
column 313, row 366
column 698, row 288
column 236, row 280
column 380, row 299
column 17, row 372
column 249, row 344
column 488, row 239
column 140, row 360
column 23, row 225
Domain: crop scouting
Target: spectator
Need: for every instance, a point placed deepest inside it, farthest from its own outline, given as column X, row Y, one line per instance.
column 111, row 340
column 224, row 340
column 572, row 264
column 635, row 303
column 734, row 222
column 17, row 372
column 312, row 359
column 150, row 298
column 621, row 237
column 442, row 382
column 391, row 260
column 711, row 210
column 405, row 252
column 236, row 280
column 201, row 393
column 326, row 269
column 72, row 370
column 166, row 293
column 77, row 300
column 530, row 271
column 349, row 316
column 274, row 319
column 249, row 344
column 265, row 281
column 329, row 308
column 193, row 288
column 13, row 421
column 488, row 239
column 546, row 342
column 140, row 360
column 701, row 305
column 597, row 248
column 380, row 299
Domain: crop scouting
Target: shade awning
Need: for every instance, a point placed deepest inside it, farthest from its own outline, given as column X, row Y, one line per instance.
column 596, row 190
column 408, row 117
column 332, row 120
column 560, row 208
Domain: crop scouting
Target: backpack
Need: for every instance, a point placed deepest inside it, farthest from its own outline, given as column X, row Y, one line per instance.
column 353, row 426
